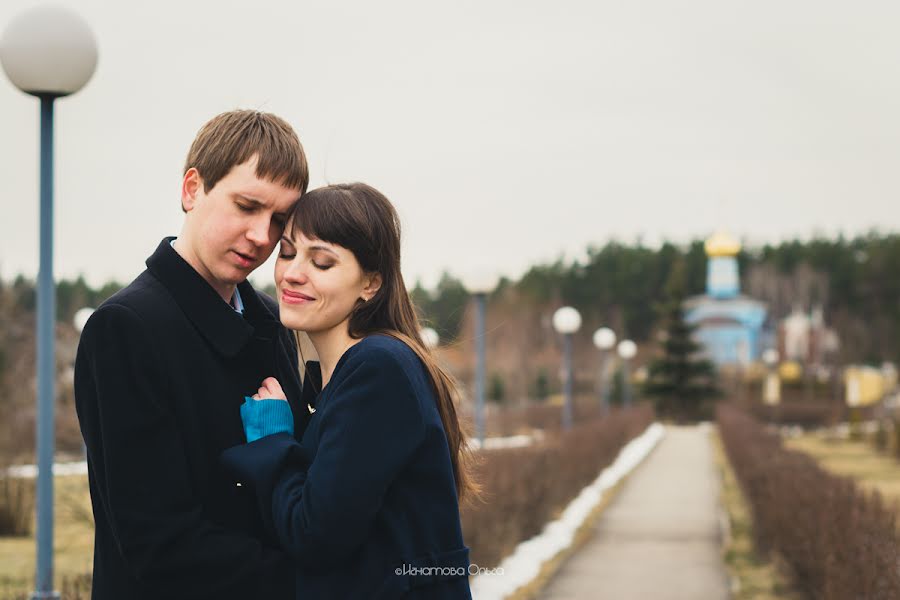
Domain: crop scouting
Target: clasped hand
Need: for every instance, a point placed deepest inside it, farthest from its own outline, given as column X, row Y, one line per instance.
column 267, row 412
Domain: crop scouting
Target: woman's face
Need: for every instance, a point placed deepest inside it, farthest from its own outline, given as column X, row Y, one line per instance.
column 319, row 283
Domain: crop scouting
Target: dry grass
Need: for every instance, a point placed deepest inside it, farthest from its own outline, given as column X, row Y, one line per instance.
column 840, row 541
column 849, row 458
column 752, row 577
column 73, row 542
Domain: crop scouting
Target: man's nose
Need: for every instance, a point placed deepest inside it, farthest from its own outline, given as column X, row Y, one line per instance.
column 258, row 233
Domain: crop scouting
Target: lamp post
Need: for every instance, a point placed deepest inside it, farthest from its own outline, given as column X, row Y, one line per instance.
column 430, row 338
column 627, row 350
column 772, row 386
column 81, row 318
column 604, row 340
column 479, row 286
column 47, row 52
column 567, row 321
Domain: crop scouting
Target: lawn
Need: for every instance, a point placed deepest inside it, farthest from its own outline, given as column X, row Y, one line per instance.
column 73, row 541
column 856, row 459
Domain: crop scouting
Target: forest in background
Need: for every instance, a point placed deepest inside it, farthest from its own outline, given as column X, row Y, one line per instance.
column 855, row 280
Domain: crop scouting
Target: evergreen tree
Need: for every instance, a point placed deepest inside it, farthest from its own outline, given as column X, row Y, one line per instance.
column 681, row 383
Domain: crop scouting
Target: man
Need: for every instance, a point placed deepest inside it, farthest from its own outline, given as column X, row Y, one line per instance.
column 163, row 367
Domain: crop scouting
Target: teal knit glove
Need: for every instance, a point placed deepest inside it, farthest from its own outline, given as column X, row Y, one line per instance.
column 266, row 417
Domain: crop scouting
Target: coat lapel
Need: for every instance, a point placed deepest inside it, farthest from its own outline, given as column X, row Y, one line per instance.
column 225, row 330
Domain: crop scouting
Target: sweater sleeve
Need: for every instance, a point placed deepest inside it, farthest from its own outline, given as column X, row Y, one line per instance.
column 142, row 480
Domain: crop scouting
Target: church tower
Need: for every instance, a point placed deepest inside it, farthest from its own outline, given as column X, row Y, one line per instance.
column 722, row 277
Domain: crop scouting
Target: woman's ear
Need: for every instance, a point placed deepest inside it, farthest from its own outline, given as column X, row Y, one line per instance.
column 373, row 284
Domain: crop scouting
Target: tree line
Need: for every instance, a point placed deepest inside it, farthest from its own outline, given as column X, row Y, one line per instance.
column 855, row 280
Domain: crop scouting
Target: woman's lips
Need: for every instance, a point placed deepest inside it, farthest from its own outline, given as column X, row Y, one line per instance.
column 290, row 297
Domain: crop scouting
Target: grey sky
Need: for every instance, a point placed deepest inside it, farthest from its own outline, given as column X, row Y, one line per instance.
column 506, row 133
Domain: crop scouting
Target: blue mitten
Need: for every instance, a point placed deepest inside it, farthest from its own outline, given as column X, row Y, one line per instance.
column 266, row 417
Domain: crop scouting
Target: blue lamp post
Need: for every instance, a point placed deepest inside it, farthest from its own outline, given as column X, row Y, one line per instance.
column 47, row 52
column 604, row 340
column 627, row 350
column 479, row 286
column 567, row 321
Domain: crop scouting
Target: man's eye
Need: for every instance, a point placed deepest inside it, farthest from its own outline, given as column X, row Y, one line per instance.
column 245, row 208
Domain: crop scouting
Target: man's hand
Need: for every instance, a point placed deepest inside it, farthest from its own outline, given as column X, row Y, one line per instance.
column 270, row 390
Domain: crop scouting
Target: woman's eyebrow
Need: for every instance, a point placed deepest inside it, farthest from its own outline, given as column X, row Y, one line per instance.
column 324, row 248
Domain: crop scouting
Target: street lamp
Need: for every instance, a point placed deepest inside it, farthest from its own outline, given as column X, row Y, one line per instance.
column 48, row 52
column 567, row 320
column 604, row 340
column 627, row 350
column 480, row 285
column 81, row 318
column 772, row 386
column 430, row 338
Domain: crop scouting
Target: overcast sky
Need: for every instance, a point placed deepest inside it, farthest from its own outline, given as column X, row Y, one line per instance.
column 506, row 132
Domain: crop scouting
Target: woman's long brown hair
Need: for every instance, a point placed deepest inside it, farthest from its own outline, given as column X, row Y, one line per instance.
column 358, row 217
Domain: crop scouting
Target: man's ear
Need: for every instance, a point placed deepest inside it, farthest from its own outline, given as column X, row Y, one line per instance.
column 190, row 187
column 373, row 284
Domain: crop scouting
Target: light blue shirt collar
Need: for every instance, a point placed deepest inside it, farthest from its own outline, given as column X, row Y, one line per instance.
column 236, row 303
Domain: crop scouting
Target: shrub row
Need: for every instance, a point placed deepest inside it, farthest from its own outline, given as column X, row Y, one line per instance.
column 840, row 542
column 524, row 488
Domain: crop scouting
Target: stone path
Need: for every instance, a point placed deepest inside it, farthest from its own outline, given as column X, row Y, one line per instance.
column 659, row 539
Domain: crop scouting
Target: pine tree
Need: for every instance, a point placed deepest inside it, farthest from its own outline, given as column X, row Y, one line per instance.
column 681, row 382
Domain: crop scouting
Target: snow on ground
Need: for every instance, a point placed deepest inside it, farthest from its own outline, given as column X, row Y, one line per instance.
column 524, row 564
column 512, row 441
column 30, row 471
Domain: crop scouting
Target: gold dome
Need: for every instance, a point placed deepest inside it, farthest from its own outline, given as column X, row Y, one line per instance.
column 722, row 244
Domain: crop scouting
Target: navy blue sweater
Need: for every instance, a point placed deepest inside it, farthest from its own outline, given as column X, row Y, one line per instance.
column 365, row 503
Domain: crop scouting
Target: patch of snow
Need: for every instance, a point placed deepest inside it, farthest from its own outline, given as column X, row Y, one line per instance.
column 59, row 469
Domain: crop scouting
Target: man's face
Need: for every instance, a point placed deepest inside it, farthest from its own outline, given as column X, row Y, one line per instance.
column 233, row 228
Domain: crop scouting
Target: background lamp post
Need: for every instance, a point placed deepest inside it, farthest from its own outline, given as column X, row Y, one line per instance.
column 772, row 386
column 567, row 321
column 627, row 350
column 604, row 340
column 430, row 338
column 47, row 52
column 479, row 286
column 81, row 318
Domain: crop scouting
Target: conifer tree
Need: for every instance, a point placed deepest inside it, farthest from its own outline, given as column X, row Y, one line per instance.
column 681, row 382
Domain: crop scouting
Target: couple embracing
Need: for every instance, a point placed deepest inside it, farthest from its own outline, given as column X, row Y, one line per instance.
column 216, row 470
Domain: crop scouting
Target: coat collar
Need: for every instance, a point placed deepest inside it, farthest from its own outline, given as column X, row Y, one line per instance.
column 226, row 330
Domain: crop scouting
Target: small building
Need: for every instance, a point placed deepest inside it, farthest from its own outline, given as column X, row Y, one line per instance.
column 729, row 324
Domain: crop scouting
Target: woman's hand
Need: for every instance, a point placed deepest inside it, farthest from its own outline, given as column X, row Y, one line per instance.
column 270, row 389
column 267, row 412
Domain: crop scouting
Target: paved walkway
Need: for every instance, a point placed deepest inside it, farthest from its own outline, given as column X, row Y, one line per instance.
column 659, row 537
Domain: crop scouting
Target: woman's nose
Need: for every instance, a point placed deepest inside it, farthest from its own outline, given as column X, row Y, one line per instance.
column 295, row 273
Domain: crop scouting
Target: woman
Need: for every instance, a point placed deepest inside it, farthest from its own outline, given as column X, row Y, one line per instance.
column 367, row 501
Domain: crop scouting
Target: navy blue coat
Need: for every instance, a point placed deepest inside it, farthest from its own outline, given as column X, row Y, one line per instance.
column 365, row 503
column 162, row 369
